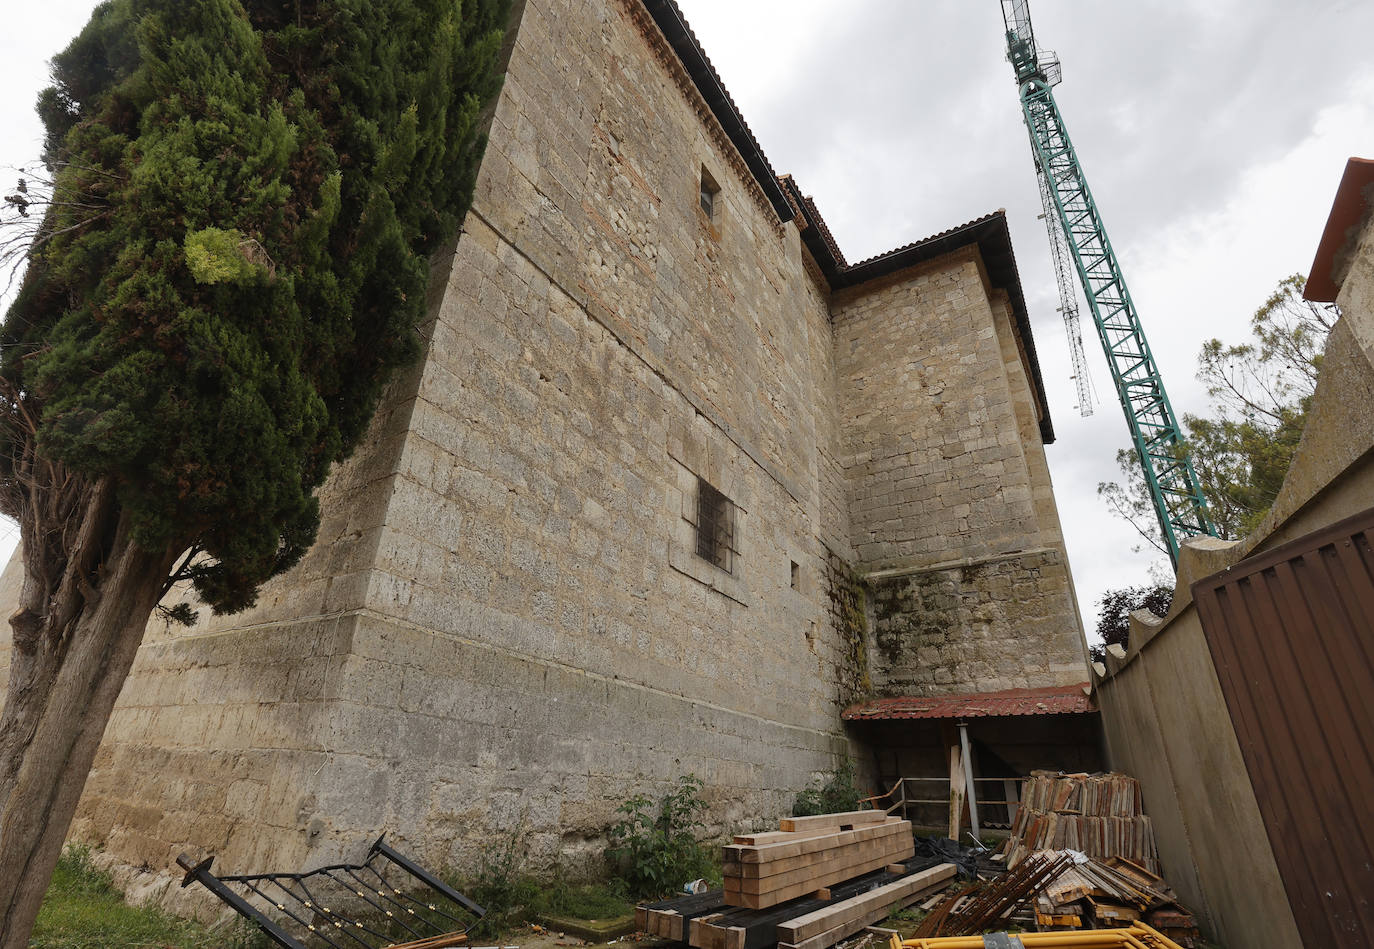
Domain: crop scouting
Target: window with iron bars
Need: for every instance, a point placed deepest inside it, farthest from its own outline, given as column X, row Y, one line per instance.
column 715, row 527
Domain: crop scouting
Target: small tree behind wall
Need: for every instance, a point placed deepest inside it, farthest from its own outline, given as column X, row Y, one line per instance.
column 227, row 269
column 1116, row 607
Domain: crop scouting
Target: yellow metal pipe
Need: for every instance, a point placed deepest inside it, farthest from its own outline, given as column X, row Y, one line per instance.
column 1075, row 939
column 1079, row 939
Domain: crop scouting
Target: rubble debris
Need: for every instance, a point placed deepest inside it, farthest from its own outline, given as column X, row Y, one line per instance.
column 1097, row 814
column 970, row 860
column 1112, row 892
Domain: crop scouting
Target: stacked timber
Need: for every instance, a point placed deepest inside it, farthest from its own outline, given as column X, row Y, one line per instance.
column 808, row 854
column 1099, row 815
column 813, row 922
column 807, row 885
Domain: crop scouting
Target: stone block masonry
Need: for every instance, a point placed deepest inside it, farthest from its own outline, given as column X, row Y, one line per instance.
column 953, row 521
column 505, row 626
column 984, row 625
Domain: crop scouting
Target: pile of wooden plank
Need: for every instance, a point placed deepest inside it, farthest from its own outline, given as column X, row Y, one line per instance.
column 706, row 922
column 808, row 854
column 1098, row 814
column 808, row 885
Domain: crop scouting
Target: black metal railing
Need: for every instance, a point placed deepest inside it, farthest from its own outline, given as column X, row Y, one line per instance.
column 386, row 902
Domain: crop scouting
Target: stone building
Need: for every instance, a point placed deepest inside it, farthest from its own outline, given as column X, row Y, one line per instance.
column 673, row 486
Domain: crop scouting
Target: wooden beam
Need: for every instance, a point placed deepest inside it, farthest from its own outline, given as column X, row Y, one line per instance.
column 832, row 821
column 739, row 853
column 956, row 791
column 822, row 920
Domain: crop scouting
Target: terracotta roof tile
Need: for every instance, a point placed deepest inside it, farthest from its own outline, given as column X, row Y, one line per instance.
column 1053, row 700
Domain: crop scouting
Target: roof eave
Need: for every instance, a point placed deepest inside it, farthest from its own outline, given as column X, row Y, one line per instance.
column 1352, row 202
column 668, row 17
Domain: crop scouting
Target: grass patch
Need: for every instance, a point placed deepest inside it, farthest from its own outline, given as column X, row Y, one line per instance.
column 585, row 901
column 83, row 910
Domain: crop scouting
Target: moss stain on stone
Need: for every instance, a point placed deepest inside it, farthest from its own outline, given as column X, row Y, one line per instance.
column 848, row 605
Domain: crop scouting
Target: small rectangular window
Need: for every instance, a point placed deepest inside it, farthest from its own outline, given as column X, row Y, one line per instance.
column 709, row 193
column 715, row 527
column 796, row 576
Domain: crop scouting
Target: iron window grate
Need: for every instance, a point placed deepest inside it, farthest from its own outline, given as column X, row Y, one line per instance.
column 715, row 527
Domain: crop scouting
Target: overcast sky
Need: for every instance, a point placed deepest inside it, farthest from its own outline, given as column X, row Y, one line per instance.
column 1213, row 135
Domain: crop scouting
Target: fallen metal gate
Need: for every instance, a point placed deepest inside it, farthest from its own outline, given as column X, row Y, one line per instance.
column 1291, row 633
column 385, row 902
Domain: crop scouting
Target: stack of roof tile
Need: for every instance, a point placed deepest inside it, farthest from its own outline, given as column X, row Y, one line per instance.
column 1098, row 814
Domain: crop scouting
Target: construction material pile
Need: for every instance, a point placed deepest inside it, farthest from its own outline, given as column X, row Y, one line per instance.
column 810, row 884
column 1061, row 891
column 1097, row 814
column 1092, row 892
column 981, row 905
column 810, row 853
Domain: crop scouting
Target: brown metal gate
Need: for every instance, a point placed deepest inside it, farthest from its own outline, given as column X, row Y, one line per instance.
column 1291, row 632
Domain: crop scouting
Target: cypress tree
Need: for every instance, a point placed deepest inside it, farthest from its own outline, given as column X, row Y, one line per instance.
column 207, row 329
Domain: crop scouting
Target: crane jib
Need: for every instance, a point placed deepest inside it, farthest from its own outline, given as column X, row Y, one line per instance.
column 1164, row 460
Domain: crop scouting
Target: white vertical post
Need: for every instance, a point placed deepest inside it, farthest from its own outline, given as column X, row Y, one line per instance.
column 968, row 779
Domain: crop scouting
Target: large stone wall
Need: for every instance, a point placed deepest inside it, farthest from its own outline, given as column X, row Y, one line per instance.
column 528, row 636
column 991, row 623
column 953, row 516
column 504, row 626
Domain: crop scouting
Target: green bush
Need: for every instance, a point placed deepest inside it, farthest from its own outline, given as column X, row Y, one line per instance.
column 502, row 888
column 654, row 848
column 830, row 794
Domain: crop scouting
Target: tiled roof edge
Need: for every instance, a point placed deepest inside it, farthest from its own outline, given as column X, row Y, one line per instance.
column 667, row 15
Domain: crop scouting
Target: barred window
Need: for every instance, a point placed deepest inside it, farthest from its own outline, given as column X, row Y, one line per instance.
column 715, row 527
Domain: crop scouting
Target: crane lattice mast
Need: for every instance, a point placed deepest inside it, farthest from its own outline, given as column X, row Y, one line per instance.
column 1164, row 461
column 1068, row 300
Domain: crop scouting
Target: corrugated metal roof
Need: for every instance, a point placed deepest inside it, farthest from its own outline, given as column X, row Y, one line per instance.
column 1053, row 700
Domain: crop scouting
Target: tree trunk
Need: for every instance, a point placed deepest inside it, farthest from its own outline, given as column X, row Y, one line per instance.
column 88, row 593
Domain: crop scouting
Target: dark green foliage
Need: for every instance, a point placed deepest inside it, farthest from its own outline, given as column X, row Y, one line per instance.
column 585, row 900
column 262, row 182
column 833, row 793
column 654, row 847
column 1115, row 609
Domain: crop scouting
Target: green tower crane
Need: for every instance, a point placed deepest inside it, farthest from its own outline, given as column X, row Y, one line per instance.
column 1173, row 485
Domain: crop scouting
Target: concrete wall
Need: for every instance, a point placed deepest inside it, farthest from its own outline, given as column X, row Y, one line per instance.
column 1165, row 717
